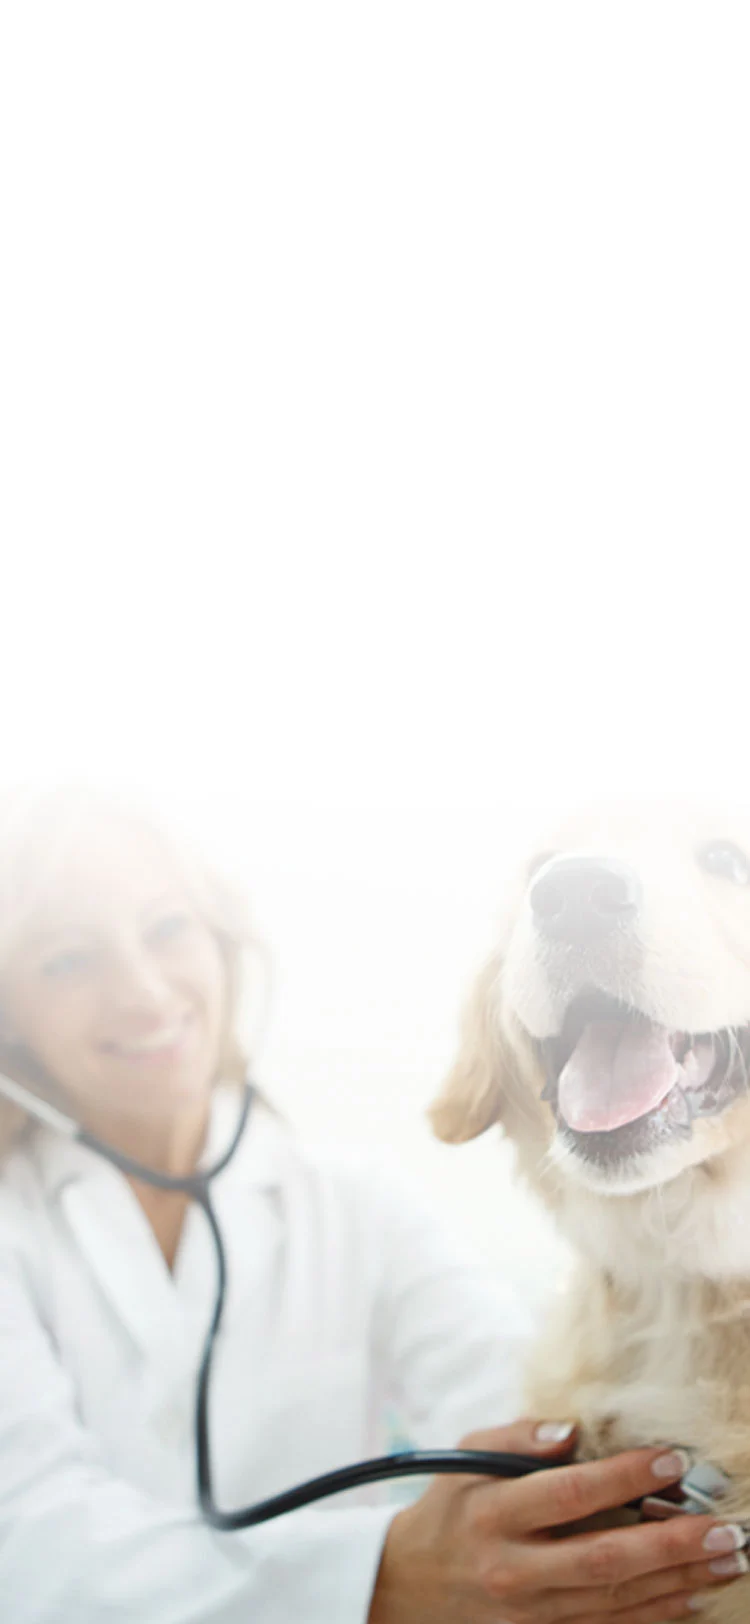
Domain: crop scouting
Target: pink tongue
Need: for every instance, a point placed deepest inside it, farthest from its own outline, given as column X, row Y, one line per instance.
column 617, row 1072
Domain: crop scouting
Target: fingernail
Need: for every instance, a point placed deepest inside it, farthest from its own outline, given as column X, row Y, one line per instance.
column 675, row 1464
column 725, row 1537
column 695, row 1603
column 728, row 1567
column 554, row 1432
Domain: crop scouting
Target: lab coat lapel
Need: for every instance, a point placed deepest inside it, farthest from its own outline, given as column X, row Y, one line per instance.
column 164, row 1313
column 114, row 1235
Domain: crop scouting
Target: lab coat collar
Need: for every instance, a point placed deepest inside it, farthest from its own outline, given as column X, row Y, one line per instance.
column 257, row 1164
column 166, row 1313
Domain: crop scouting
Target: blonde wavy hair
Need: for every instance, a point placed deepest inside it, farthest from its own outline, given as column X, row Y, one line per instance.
column 41, row 830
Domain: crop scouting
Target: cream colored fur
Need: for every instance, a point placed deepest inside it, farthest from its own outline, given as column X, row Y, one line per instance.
column 651, row 1342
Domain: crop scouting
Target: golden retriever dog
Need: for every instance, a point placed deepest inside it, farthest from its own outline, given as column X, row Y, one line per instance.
column 609, row 1034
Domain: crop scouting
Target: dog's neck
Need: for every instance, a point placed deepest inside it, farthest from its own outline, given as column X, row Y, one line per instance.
column 697, row 1227
column 643, row 1348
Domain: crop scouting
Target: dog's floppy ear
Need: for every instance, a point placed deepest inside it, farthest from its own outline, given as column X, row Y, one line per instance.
column 471, row 1097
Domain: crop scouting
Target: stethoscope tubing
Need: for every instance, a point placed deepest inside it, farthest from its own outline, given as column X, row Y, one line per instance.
column 383, row 1468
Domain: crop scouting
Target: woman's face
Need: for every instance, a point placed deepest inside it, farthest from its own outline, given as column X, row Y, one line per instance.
column 117, row 987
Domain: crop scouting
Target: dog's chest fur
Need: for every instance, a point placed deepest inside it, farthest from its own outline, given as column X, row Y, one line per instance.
column 666, row 1361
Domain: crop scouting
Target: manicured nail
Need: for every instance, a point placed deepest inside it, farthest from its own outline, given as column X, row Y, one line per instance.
column 728, row 1567
column 673, row 1465
column 725, row 1537
column 554, row 1432
column 695, row 1603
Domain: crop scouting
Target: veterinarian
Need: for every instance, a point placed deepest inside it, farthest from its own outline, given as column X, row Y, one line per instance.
column 119, row 967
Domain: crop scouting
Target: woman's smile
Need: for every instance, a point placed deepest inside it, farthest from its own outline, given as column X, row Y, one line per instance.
column 160, row 1045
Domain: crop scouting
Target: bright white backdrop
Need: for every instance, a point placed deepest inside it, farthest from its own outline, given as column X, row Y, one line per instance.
column 374, row 422
column 375, row 924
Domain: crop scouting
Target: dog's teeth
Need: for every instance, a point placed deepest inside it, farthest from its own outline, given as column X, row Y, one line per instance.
column 682, row 1047
column 681, row 1110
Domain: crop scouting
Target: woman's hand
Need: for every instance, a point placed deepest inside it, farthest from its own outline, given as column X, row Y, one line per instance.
column 476, row 1550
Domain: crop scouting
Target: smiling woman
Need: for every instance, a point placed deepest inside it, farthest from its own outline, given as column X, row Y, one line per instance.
column 120, row 970
column 120, row 962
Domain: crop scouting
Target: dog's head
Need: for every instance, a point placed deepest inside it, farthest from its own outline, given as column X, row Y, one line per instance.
column 610, row 1033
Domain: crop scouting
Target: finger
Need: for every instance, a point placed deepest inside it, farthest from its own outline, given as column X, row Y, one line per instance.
column 526, row 1436
column 570, row 1493
column 689, row 1576
column 588, row 1604
column 654, row 1612
column 615, row 1557
column 551, row 1608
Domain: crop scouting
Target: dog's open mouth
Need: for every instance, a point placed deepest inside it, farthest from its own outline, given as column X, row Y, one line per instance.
column 620, row 1085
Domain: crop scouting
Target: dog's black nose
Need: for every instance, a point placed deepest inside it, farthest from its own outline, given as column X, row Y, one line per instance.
column 581, row 899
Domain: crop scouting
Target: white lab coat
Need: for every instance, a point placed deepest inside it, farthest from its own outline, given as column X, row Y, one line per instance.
column 342, row 1294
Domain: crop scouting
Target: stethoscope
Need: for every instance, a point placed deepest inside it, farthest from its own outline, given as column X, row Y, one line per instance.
column 197, row 1186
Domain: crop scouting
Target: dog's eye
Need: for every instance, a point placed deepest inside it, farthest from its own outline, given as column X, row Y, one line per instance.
column 723, row 858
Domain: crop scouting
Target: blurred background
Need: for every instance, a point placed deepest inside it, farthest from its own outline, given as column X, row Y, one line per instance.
column 374, row 391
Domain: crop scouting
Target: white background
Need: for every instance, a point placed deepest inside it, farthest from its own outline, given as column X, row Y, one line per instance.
column 374, row 433
column 374, row 925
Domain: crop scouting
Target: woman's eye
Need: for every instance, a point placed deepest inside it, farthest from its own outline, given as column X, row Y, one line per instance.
column 169, row 927
column 74, row 961
column 726, row 861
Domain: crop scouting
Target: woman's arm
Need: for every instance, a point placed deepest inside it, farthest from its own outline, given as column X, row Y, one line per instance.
column 78, row 1544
